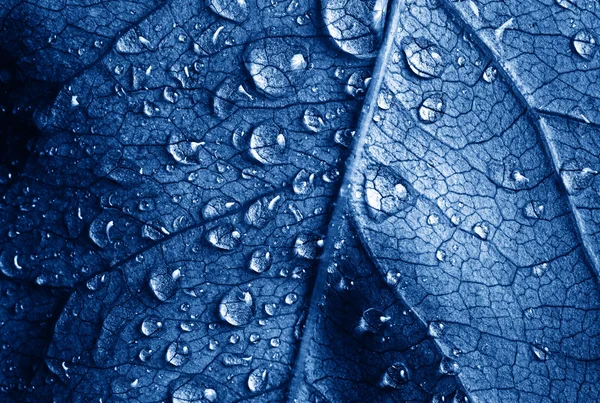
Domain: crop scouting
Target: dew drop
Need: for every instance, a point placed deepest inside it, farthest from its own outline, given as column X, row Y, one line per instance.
column 490, row 74
column 275, row 342
column 218, row 207
column 291, row 298
column 145, row 354
column 395, row 376
column 182, row 151
column 482, row 230
column 585, row 44
column 539, row 269
column 384, row 100
column 237, row 307
column 303, row 182
column 271, row 309
column 254, row 338
column 432, row 108
column 170, row 95
column 313, row 120
column 449, row 367
column 178, row 353
column 372, row 321
column 234, row 10
column 235, row 360
column 267, row 144
column 307, row 245
column 344, row 137
column 258, row 380
column 435, row 329
column 224, row 237
column 261, row 260
column 578, row 179
column 151, row 325
column 358, row 83
column 534, row 209
column 261, row 211
column 424, row 58
column 539, row 353
column 163, row 286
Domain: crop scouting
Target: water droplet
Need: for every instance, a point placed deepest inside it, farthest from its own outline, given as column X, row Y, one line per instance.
column 482, row 230
column 585, row 44
column 271, row 309
column 384, row 100
column 224, row 237
column 261, row 211
column 358, row 83
column 178, row 353
column 291, row 298
column 307, row 245
column 163, row 285
column 395, row 376
column 577, row 179
column 261, row 260
column 150, row 109
column 145, row 354
column 237, row 307
column 258, row 380
column 182, row 151
column 303, row 182
column 313, row 120
column 344, row 137
column 99, row 232
column 267, row 144
column 539, row 269
column 432, row 108
column 170, row 95
column 372, row 320
column 218, row 207
column 269, row 63
column 490, row 74
column 234, row 10
column 254, row 338
column 424, row 58
column 449, row 367
column 151, row 325
column 436, row 329
column 234, row 339
column 534, row 209
column 331, row 175
column 384, row 195
column 275, row 342
column 298, row 62
column 235, row 360
column 440, row 255
column 129, row 43
column 539, row 353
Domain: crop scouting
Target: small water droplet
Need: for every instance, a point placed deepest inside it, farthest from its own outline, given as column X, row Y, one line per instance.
column 183, row 151
column 539, row 269
column 271, row 309
column 291, row 298
column 585, row 44
column 178, row 353
column 432, row 108
column 395, row 376
column 358, row 83
column 235, row 360
column 237, row 307
column 490, row 74
column 145, row 354
column 262, row 211
column 541, row 354
column 482, row 230
column 372, row 320
column 170, row 95
column 151, row 325
column 224, row 237
column 303, row 182
column 234, row 10
column 534, row 209
column 307, row 245
column 384, row 100
column 258, row 380
column 267, row 144
column 424, row 58
column 313, row 120
column 254, row 338
column 261, row 260
column 448, row 366
column 275, row 342
column 436, row 329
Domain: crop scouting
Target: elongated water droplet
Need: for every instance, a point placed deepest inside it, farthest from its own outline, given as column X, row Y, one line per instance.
column 218, row 207
column 585, row 44
column 234, row 10
column 178, row 353
column 151, row 325
column 258, row 380
column 224, row 237
column 267, row 144
column 261, row 260
column 432, row 108
column 237, row 307
column 424, row 58
column 303, row 182
column 236, row 360
column 395, row 376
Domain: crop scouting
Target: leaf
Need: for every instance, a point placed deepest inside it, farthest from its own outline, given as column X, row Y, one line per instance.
column 181, row 193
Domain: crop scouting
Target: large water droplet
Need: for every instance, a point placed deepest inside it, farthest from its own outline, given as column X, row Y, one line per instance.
column 178, row 353
column 267, row 144
column 258, row 380
column 99, row 232
column 585, row 44
column 151, row 325
column 424, row 58
column 432, row 108
column 224, row 237
column 307, row 245
column 395, row 376
column 218, row 207
column 372, row 320
column 237, row 307
column 163, row 285
column 358, row 83
column 261, row 260
column 576, row 180
column 234, row 10
column 303, row 182
column 194, row 392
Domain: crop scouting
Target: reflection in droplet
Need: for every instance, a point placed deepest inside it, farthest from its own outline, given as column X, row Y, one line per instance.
column 218, row 207
column 313, row 120
column 303, row 182
column 449, row 366
column 163, row 285
column 490, row 74
column 307, row 245
column 358, row 83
